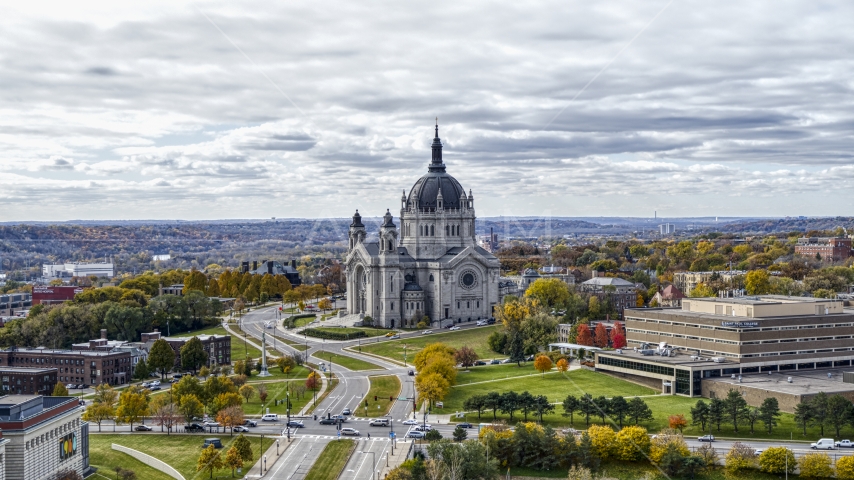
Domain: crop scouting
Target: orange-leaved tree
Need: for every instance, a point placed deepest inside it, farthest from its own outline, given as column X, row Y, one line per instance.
column 562, row 365
column 677, row 422
column 543, row 364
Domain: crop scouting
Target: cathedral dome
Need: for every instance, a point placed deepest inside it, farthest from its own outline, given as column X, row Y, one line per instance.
column 426, row 190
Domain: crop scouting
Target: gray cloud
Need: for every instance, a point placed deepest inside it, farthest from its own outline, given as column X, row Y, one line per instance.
column 740, row 109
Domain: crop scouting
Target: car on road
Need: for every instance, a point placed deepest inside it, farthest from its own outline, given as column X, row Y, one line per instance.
column 394, row 337
column 426, row 332
column 390, row 334
column 194, row 427
column 143, row 385
column 269, row 417
column 411, row 373
column 706, row 438
column 350, row 431
column 845, row 444
column 330, row 421
column 481, row 323
column 71, row 386
column 379, row 422
column 410, row 421
column 495, row 362
column 212, row 424
column 454, row 328
column 142, row 428
column 465, row 425
column 758, row 451
column 155, row 388
column 155, row 383
column 823, row 444
column 424, row 427
column 346, row 412
column 491, row 321
column 296, row 424
column 479, row 362
column 240, row 428
column 415, row 434
column 341, row 418
column 507, row 360
column 250, row 423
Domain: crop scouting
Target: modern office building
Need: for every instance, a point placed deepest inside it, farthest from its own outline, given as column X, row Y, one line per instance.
column 43, row 436
column 23, row 380
column 69, row 270
column 830, row 249
column 49, row 294
column 714, row 337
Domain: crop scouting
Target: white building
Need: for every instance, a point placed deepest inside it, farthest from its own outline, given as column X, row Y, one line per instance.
column 430, row 264
column 68, row 270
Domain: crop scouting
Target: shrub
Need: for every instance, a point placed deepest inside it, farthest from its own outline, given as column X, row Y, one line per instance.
column 603, row 439
column 579, row 473
column 740, row 458
column 313, row 332
column 816, row 465
column 845, row 468
column 662, row 442
column 708, row 454
column 774, row 460
column 632, row 443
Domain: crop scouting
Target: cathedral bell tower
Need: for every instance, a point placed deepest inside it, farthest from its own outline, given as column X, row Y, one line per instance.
column 388, row 235
column 357, row 231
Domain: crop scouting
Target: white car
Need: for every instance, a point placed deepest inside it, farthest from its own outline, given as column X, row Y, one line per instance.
column 350, row 431
column 424, row 427
column 823, row 444
column 426, row 332
column 155, row 383
column 454, row 328
column 481, row 323
column 410, row 421
column 145, row 385
column 240, row 428
column 415, row 434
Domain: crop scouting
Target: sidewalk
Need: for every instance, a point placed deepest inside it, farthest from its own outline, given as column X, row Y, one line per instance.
column 272, row 457
column 401, row 450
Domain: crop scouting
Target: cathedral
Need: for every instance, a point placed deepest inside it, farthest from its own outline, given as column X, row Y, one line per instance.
column 430, row 264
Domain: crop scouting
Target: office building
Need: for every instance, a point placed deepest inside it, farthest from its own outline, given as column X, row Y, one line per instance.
column 708, row 338
column 830, row 249
column 49, row 294
column 12, row 304
column 42, row 436
column 68, row 270
column 687, row 281
column 666, row 228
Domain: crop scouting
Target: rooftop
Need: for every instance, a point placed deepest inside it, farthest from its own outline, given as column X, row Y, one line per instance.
column 680, row 359
column 762, row 300
column 803, row 382
column 25, row 369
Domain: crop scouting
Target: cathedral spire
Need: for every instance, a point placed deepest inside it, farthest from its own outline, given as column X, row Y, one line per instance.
column 436, row 165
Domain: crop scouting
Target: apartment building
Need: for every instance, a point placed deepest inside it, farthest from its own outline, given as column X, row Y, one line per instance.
column 12, row 303
column 22, row 380
column 830, row 249
column 218, row 347
column 687, row 281
column 77, row 367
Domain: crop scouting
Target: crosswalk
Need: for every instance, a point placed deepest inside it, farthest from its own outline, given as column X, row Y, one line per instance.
column 329, row 437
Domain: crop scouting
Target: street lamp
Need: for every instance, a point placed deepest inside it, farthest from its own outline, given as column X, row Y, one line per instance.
column 277, row 446
column 374, row 456
column 265, row 463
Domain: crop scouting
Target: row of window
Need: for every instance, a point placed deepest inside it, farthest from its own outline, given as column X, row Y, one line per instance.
column 639, row 366
column 56, row 432
column 730, row 342
column 764, row 329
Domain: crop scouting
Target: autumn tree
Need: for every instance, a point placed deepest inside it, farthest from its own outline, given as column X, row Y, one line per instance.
column 432, row 387
column 600, row 335
column 262, row 393
column 562, row 365
column 324, row 304
column 230, row 417
column 247, row 392
column 584, row 337
column 244, row 448
column 550, row 292
column 618, row 335
column 677, row 422
column 209, row 460
column 466, row 356
column 543, row 364
column 167, row 416
column 59, row 390
column 161, row 357
column 191, row 407
column 233, row 460
column 98, row 412
column 286, row 363
column 757, row 282
column 133, row 406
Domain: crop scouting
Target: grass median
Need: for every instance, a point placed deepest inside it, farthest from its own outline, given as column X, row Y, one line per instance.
column 382, row 388
column 332, row 460
column 181, row 451
column 472, row 337
column 345, row 361
column 238, row 350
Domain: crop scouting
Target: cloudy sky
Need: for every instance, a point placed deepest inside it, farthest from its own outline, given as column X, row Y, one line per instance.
column 214, row 110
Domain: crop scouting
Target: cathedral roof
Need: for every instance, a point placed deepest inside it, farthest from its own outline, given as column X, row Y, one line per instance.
column 426, row 189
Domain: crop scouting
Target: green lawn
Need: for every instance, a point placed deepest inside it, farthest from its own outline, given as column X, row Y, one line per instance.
column 237, row 349
column 382, row 387
column 181, row 451
column 485, row 373
column 345, row 361
column 332, row 460
column 299, row 346
column 277, row 390
column 555, row 386
column 636, row 470
column 106, row 459
column 371, row 332
column 276, row 373
column 474, row 338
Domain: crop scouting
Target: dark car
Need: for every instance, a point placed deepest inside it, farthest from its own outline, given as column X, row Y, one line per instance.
column 250, row 423
column 212, row 441
column 480, row 362
column 142, row 428
column 491, row 321
column 495, row 362
column 465, row 425
column 411, row 373
column 194, row 427
column 154, row 388
column 330, row 421
column 296, row 424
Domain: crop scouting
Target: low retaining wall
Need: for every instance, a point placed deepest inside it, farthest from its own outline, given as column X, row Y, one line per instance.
column 150, row 461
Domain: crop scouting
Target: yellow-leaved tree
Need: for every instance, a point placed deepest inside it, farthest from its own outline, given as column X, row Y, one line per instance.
column 775, row 460
column 633, row 444
column 603, row 439
column 659, row 445
column 550, row 292
column 432, row 387
column 430, row 351
column 209, row 460
column 562, row 365
column 543, row 364
column 816, row 465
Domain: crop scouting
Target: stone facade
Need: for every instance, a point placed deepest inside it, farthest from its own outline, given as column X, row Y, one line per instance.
column 429, row 265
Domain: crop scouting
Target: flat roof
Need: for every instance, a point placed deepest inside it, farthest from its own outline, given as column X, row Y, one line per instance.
column 682, row 359
column 762, row 300
column 574, row 345
column 88, row 353
column 803, row 381
column 25, row 369
column 719, row 317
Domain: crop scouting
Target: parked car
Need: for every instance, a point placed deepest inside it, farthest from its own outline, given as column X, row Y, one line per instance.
column 394, row 337
column 212, row 424
column 71, row 386
column 706, row 438
column 465, row 425
column 507, row 360
column 440, row 404
column 83, row 386
column 491, row 321
column 155, row 388
column 296, row 424
column 426, row 332
column 350, row 431
column 177, row 375
column 415, row 434
column 144, row 384
column 454, row 328
column 212, row 441
column 845, row 444
column 155, row 383
column 330, row 421
column 346, row 412
column 410, row 421
column 194, row 427
column 142, row 428
column 823, row 444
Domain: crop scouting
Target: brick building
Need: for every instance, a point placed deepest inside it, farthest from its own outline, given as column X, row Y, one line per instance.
column 49, row 295
column 77, row 367
column 621, row 293
column 36, row 381
column 831, row 249
column 218, row 347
